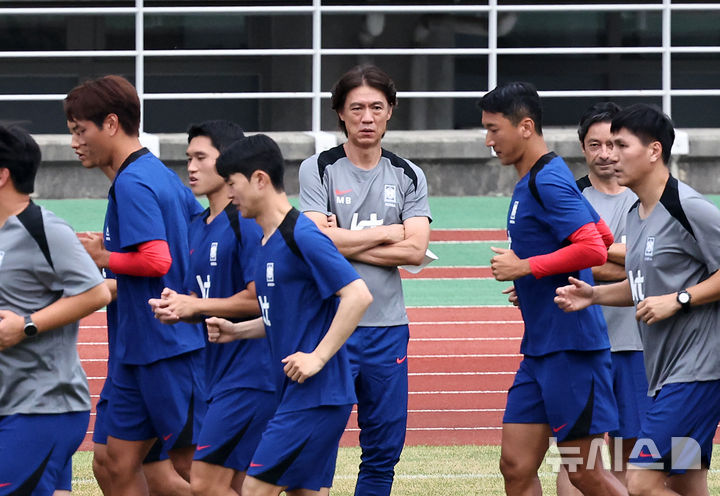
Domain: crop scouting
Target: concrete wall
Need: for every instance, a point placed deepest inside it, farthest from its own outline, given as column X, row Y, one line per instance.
column 456, row 163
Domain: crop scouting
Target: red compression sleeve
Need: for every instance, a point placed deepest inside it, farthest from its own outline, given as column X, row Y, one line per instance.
column 152, row 259
column 586, row 249
column 605, row 232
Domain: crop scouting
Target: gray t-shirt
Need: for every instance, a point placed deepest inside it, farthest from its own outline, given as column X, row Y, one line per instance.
column 390, row 193
column 675, row 247
column 622, row 326
column 43, row 375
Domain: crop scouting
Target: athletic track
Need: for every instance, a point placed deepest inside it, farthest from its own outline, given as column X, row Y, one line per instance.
column 461, row 362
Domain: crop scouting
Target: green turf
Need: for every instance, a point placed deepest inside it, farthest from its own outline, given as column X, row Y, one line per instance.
column 464, row 254
column 454, row 292
column 469, row 212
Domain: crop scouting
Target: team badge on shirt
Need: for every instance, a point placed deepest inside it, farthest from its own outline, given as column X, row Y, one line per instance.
column 107, row 233
column 649, row 247
column 390, row 194
column 270, row 274
column 513, row 212
column 213, row 253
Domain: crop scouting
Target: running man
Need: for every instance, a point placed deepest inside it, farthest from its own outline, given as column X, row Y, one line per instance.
column 146, row 247
column 563, row 388
column 672, row 266
column 311, row 301
column 48, row 283
column 239, row 385
column 374, row 206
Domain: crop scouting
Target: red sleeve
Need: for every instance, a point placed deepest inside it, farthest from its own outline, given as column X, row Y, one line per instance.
column 152, row 259
column 586, row 249
column 605, row 232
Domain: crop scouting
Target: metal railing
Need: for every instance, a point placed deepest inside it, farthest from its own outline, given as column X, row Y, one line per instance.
column 318, row 11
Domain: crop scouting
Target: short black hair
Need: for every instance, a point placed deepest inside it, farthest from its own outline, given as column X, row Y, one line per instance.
column 598, row 112
column 20, row 154
column 649, row 124
column 222, row 133
column 361, row 75
column 515, row 101
column 256, row 152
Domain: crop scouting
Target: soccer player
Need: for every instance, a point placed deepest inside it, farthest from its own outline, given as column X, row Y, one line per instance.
column 146, row 247
column 239, row 384
column 612, row 202
column 563, row 387
column 671, row 263
column 373, row 205
column 48, row 283
column 311, row 301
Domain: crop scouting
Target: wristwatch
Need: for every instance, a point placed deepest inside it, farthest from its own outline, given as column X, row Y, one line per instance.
column 30, row 327
column 683, row 297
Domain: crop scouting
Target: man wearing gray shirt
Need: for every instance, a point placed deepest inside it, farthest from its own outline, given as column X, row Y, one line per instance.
column 374, row 206
column 671, row 262
column 613, row 201
column 47, row 283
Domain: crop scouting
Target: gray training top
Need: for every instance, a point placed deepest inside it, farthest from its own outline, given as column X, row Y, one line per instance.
column 674, row 248
column 390, row 193
column 622, row 326
column 42, row 374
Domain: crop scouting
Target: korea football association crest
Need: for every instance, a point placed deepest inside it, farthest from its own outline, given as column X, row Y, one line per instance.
column 390, row 194
column 649, row 247
column 213, row 253
column 270, row 274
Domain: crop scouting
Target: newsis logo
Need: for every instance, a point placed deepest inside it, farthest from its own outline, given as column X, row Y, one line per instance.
column 684, row 455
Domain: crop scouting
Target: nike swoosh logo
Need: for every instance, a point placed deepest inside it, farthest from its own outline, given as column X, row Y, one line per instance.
column 401, row 360
column 342, row 192
column 645, row 455
column 200, row 448
column 165, row 438
column 256, row 464
column 556, row 429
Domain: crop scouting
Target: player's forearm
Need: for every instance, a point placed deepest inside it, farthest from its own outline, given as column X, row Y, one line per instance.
column 609, row 272
column 705, row 292
column 355, row 298
column 71, row 308
column 112, row 287
column 353, row 243
column 613, row 295
column 239, row 305
column 410, row 251
column 616, row 253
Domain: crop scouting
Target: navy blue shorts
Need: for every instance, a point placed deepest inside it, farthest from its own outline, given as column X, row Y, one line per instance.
column 678, row 429
column 232, row 427
column 631, row 392
column 36, row 451
column 298, row 450
column 163, row 400
column 571, row 391
column 64, row 480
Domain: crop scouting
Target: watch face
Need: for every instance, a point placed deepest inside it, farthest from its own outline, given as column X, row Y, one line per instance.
column 30, row 330
column 683, row 298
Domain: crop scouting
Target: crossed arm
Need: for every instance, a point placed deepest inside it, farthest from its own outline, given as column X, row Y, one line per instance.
column 172, row 306
column 391, row 245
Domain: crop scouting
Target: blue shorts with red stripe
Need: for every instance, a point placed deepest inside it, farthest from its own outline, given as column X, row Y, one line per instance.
column 36, row 451
column 630, row 387
column 232, row 427
column 163, row 400
column 571, row 391
column 678, row 429
column 298, row 450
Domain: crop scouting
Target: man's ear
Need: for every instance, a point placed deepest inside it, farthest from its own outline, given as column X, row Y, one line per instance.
column 527, row 127
column 4, row 176
column 111, row 123
column 656, row 150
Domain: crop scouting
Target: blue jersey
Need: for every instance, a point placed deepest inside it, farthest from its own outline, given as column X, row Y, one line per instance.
column 147, row 202
column 297, row 274
column 112, row 316
column 546, row 208
column 221, row 263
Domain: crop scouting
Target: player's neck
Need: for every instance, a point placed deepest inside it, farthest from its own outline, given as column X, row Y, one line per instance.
column 12, row 203
column 651, row 189
column 364, row 158
column 218, row 200
column 276, row 207
column 607, row 185
column 534, row 149
column 124, row 147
